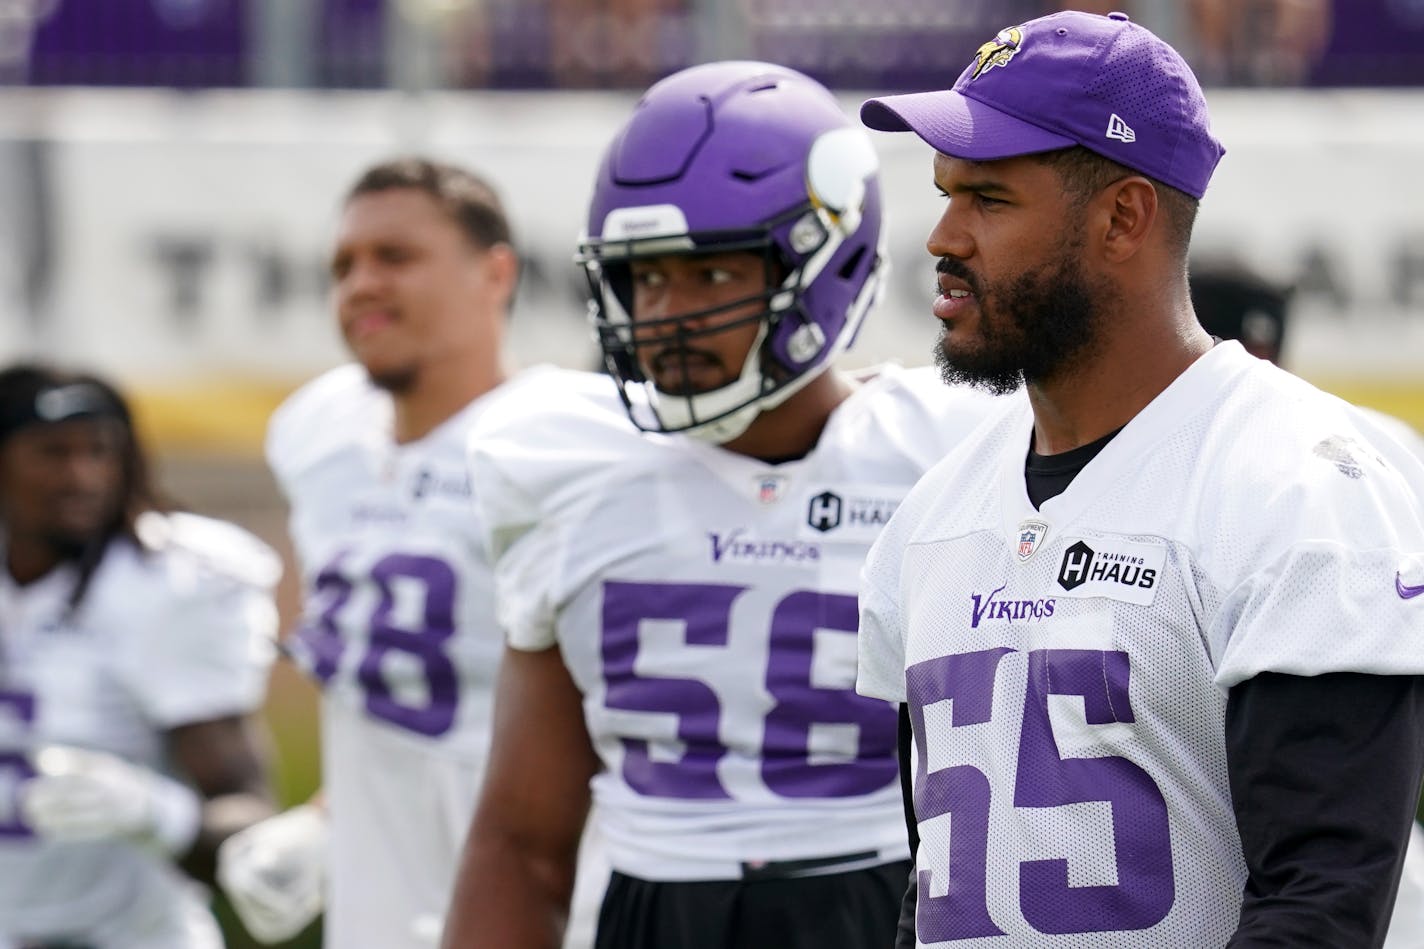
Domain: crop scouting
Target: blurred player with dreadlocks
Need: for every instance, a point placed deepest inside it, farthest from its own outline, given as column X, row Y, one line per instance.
column 134, row 643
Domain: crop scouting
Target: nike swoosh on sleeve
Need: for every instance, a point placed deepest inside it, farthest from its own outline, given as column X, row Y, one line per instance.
column 1405, row 591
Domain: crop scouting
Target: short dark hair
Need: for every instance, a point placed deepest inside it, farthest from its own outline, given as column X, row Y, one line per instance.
column 20, row 385
column 471, row 202
column 1084, row 173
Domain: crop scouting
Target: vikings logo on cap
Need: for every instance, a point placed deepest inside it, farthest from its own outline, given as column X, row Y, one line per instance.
column 998, row 51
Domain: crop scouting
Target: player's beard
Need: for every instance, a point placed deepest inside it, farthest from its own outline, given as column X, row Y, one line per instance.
column 395, row 381
column 67, row 545
column 1031, row 328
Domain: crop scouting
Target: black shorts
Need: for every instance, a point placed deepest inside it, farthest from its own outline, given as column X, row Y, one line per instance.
column 856, row 909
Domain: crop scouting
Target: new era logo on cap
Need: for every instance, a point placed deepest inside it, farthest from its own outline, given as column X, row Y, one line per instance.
column 1120, row 130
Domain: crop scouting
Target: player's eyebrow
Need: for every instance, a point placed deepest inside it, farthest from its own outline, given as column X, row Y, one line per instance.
column 976, row 185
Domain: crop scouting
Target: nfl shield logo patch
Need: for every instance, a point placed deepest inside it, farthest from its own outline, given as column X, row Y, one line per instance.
column 769, row 488
column 1031, row 534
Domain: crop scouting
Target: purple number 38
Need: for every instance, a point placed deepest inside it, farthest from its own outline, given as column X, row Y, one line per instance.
column 787, row 769
column 424, row 641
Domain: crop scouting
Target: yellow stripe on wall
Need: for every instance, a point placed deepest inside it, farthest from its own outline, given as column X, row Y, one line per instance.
column 229, row 417
column 221, row 418
column 1404, row 400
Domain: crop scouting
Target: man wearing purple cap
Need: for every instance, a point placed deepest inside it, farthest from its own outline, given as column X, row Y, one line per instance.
column 679, row 602
column 1159, row 627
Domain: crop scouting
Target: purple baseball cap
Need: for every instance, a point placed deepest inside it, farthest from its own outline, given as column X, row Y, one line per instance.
column 1068, row 79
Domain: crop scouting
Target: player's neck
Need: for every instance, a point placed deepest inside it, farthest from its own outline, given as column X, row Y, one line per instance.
column 792, row 429
column 440, row 393
column 1106, row 389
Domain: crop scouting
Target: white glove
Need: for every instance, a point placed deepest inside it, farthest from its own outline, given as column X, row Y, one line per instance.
column 274, row 872
column 78, row 795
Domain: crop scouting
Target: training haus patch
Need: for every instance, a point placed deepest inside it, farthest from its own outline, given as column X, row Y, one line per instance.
column 1110, row 567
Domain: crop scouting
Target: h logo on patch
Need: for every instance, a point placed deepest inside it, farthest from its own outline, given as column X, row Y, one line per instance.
column 1073, row 572
column 824, row 513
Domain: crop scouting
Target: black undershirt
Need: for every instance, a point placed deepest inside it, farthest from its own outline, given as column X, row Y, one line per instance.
column 1325, row 774
column 1047, row 476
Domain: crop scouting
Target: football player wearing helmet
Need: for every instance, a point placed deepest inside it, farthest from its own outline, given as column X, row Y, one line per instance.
column 678, row 593
column 398, row 626
column 134, row 644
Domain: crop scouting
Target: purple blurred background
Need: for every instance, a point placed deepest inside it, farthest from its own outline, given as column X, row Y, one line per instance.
column 539, row 44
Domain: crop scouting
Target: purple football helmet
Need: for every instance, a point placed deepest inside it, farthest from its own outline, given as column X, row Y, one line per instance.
column 726, row 157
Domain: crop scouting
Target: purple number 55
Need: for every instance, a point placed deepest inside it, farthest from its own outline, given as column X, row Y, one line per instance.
column 661, row 685
column 1141, row 839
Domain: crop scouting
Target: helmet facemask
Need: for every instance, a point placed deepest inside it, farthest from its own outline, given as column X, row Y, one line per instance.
column 811, row 211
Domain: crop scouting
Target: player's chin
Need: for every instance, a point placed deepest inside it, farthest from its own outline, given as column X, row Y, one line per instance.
column 395, row 376
column 955, row 340
column 680, row 387
column 695, row 379
column 963, row 350
column 70, row 537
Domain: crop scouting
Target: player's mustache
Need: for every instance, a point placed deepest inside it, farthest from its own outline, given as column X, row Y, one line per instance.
column 675, row 359
column 953, row 267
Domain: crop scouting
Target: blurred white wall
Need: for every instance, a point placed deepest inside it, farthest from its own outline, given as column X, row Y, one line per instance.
column 183, row 236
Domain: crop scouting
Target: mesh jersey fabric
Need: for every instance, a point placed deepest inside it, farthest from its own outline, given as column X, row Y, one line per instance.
column 1068, row 695
column 705, row 605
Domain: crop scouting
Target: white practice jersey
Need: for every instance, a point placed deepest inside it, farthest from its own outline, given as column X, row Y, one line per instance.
column 1406, row 927
column 705, row 605
column 176, row 633
column 1067, row 668
column 398, row 629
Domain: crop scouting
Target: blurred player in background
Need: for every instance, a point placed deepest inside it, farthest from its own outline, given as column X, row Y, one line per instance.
column 398, row 625
column 1176, row 620
column 680, row 602
column 134, row 643
column 1233, row 302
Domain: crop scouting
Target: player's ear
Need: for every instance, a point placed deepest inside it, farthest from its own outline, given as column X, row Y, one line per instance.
column 501, row 264
column 1128, row 212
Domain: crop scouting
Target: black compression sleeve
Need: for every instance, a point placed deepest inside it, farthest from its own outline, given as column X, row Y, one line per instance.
column 906, row 740
column 1325, row 774
column 905, row 934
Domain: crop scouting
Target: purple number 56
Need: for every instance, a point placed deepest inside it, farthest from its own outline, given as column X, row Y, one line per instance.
column 787, row 769
column 1141, row 839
